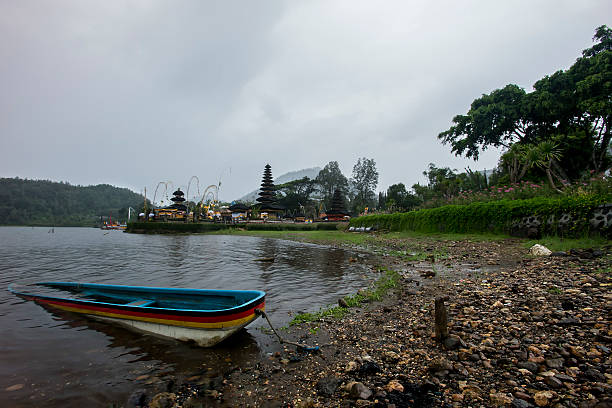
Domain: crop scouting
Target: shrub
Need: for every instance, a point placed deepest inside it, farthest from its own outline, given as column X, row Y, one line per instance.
column 494, row 216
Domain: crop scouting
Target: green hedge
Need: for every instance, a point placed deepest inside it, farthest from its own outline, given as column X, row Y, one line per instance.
column 319, row 226
column 496, row 216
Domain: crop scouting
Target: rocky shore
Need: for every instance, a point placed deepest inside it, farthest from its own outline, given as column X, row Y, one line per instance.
column 522, row 331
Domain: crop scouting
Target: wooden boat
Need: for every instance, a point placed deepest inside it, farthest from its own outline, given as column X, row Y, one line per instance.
column 205, row 316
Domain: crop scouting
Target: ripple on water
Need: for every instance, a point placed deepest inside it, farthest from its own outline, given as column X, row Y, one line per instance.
column 48, row 347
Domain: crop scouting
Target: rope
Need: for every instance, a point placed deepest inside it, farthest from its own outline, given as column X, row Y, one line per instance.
column 260, row 312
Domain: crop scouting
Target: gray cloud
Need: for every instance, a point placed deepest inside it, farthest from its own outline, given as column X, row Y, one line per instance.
column 132, row 93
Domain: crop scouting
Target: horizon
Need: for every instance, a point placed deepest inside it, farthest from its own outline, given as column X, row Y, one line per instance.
column 105, row 93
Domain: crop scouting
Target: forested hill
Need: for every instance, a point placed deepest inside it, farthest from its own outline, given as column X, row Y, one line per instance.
column 47, row 203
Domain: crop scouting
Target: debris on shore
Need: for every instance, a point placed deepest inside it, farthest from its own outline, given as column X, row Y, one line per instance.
column 521, row 331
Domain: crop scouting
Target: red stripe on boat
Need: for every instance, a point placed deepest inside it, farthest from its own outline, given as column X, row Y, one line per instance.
column 176, row 317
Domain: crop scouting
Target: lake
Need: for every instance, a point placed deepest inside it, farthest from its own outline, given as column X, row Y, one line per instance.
column 59, row 359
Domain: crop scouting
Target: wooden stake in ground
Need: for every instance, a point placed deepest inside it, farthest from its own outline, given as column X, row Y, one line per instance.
column 441, row 322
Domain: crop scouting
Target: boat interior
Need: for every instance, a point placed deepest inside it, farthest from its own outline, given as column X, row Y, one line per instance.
column 183, row 299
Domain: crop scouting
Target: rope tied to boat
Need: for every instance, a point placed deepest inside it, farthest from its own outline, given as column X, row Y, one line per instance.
column 304, row 347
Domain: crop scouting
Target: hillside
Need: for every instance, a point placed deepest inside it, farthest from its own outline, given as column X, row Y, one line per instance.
column 47, row 203
column 311, row 173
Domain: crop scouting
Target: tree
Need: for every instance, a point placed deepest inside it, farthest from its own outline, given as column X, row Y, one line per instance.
column 495, row 120
column 401, row 199
column 592, row 75
column 575, row 105
column 330, row 179
column 443, row 182
column 296, row 194
column 364, row 181
column 603, row 42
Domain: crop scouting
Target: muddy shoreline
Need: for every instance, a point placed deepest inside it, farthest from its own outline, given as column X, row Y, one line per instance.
column 523, row 331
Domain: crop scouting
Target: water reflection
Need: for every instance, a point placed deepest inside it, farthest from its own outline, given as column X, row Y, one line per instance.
column 65, row 359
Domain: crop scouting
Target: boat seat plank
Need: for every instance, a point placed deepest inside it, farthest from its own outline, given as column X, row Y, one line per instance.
column 141, row 302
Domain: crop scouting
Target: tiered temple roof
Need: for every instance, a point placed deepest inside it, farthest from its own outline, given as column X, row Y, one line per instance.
column 178, row 200
column 337, row 206
column 267, row 194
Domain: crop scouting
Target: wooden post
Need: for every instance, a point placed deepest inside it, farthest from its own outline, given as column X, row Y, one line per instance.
column 441, row 328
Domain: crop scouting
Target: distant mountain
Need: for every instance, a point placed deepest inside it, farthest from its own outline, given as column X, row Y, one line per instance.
column 47, row 203
column 311, row 173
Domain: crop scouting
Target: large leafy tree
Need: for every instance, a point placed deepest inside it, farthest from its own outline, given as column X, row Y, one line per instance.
column 398, row 198
column 592, row 75
column 364, row 182
column 497, row 119
column 295, row 195
column 330, row 179
column 572, row 109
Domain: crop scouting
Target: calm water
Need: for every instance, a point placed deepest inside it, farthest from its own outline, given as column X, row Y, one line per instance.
column 60, row 359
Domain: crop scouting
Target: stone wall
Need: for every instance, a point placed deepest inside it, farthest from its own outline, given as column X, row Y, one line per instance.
column 534, row 226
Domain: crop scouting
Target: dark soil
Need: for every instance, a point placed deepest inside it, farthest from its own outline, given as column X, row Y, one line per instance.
column 523, row 331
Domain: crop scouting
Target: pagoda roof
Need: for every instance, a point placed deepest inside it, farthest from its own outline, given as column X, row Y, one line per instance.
column 239, row 207
column 271, row 207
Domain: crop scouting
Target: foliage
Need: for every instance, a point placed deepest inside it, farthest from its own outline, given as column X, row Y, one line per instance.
column 445, row 183
column 596, row 186
column 494, row 216
column 382, row 285
column 573, row 104
column 555, row 243
column 397, row 198
column 330, row 179
column 295, row 196
column 48, row 203
column 364, row 182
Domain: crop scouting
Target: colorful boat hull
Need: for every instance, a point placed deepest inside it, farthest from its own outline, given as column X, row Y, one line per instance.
column 204, row 316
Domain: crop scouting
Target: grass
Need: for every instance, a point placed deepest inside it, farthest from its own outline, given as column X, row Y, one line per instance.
column 383, row 284
column 565, row 244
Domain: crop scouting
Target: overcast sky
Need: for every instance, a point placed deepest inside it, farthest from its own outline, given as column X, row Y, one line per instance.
column 132, row 93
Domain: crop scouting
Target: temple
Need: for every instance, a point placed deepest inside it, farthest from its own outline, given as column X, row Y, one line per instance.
column 268, row 206
column 173, row 212
column 337, row 211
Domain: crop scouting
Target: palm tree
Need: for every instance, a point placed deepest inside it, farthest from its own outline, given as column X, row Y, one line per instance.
column 547, row 156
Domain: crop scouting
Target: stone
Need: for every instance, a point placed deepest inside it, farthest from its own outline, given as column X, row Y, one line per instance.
column 542, row 398
column 457, row 397
column 522, row 396
column 15, row 387
column 369, row 368
column 137, row 399
column 452, row 342
column 500, row 399
column 163, row 400
column 539, row 250
column 472, row 391
column 553, row 382
column 360, row 391
column 519, row 403
column 326, row 386
column 392, row 356
column 440, row 364
column 556, row 363
column 351, row 366
column 394, row 385
column 529, row 365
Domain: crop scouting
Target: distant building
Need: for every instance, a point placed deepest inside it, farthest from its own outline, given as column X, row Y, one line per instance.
column 268, row 206
column 173, row 212
column 240, row 212
column 338, row 210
